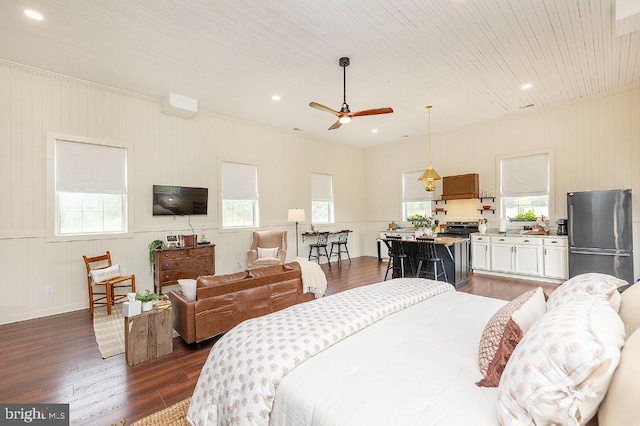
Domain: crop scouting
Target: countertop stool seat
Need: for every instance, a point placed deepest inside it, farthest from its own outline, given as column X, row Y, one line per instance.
column 427, row 254
column 397, row 257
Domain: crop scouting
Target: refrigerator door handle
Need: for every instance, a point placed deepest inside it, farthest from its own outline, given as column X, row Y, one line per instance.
column 593, row 253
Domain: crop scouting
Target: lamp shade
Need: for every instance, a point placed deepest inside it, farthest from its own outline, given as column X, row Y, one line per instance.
column 429, row 174
column 296, row 215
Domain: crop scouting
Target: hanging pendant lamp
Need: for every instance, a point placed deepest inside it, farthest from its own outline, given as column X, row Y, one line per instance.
column 429, row 174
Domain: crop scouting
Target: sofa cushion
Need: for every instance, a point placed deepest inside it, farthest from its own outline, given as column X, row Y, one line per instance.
column 209, row 280
column 265, row 271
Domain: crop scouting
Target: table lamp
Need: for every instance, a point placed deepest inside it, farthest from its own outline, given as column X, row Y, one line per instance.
column 297, row 216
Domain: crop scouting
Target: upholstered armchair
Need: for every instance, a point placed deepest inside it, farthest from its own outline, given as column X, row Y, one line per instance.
column 267, row 248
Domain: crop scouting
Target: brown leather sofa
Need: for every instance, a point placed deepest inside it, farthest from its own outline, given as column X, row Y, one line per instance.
column 223, row 301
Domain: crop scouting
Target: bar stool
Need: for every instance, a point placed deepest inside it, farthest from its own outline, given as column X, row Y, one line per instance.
column 397, row 256
column 320, row 244
column 340, row 243
column 427, row 253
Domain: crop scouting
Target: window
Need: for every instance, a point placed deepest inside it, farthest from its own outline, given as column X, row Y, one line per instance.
column 90, row 188
column 524, row 185
column 321, row 198
column 239, row 195
column 415, row 200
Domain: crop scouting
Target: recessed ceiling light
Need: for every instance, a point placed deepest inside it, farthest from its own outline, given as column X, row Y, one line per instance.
column 33, row 14
column 275, row 97
column 374, row 130
column 526, row 86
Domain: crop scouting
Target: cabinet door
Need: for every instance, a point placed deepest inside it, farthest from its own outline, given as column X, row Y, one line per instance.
column 527, row 259
column 555, row 262
column 480, row 258
column 502, row 257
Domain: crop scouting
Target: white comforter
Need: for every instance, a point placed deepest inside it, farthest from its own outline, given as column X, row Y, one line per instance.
column 238, row 382
column 416, row 367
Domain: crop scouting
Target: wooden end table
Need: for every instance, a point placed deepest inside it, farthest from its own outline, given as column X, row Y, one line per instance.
column 148, row 335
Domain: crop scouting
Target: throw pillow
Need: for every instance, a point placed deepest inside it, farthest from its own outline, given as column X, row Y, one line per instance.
column 602, row 286
column 270, row 253
column 561, row 369
column 629, row 311
column 188, row 288
column 620, row 405
column 503, row 332
column 105, row 274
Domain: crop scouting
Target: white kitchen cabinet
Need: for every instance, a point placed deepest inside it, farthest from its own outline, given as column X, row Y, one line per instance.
column 517, row 255
column 480, row 252
column 555, row 258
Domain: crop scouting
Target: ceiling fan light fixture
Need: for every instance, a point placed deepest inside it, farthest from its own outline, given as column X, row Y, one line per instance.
column 345, row 119
column 429, row 174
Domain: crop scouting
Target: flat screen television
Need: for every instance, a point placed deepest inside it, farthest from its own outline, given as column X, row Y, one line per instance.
column 179, row 200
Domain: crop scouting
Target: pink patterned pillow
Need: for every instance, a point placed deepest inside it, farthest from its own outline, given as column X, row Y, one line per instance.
column 602, row 286
column 503, row 332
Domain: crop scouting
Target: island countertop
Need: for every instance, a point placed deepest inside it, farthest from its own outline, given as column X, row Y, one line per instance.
column 447, row 241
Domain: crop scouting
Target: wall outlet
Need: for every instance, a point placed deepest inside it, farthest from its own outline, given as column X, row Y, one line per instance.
column 48, row 290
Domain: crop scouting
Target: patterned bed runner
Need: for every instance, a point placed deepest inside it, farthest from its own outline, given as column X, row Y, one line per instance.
column 238, row 382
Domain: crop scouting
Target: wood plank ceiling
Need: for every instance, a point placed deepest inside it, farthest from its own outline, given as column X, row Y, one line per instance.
column 468, row 58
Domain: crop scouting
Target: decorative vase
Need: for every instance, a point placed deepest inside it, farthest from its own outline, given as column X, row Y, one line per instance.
column 147, row 306
column 482, row 228
column 428, row 231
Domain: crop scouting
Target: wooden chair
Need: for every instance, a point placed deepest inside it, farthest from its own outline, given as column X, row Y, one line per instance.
column 109, row 297
column 397, row 257
column 427, row 253
column 321, row 244
column 339, row 244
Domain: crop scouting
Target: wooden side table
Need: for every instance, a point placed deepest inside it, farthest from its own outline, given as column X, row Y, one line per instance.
column 148, row 335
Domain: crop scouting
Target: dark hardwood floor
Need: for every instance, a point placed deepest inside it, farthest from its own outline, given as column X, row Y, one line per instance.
column 56, row 359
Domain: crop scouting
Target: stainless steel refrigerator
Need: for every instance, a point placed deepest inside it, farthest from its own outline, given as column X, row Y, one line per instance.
column 600, row 235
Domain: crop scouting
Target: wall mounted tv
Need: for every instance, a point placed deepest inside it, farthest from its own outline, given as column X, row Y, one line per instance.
column 179, row 200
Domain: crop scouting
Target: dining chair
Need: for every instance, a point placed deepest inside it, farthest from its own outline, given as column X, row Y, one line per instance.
column 319, row 245
column 340, row 245
column 397, row 257
column 428, row 254
column 109, row 296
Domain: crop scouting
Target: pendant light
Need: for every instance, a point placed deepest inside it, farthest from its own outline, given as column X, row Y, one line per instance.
column 429, row 174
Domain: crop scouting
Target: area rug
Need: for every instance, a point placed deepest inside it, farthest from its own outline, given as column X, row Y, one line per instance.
column 174, row 415
column 109, row 330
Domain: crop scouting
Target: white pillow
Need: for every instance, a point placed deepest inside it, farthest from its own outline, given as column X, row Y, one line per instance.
column 561, row 369
column 268, row 252
column 602, row 286
column 188, row 288
column 105, row 274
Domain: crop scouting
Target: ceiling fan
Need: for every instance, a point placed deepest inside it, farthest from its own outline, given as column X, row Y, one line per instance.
column 344, row 115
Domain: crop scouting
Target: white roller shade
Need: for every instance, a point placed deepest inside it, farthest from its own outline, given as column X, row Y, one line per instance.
column 527, row 175
column 412, row 188
column 84, row 167
column 321, row 187
column 239, row 181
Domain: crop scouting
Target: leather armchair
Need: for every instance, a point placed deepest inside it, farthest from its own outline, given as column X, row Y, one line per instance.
column 267, row 239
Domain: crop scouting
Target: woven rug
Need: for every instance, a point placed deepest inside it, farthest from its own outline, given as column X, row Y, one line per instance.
column 109, row 330
column 174, row 415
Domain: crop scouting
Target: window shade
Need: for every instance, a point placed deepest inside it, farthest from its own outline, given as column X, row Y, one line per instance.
column 527, row 175
column 321, row 187
column 89, row 168
column 239, row 181
column 412, row 188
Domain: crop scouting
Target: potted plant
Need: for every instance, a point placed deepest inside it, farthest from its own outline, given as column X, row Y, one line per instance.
column 147, row 300
column 153, row 246
column 427, row 223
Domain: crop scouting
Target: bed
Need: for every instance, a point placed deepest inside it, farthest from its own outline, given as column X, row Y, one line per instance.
column 401, row 352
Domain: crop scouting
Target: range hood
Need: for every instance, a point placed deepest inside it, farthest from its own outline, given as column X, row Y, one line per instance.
column 460, row 187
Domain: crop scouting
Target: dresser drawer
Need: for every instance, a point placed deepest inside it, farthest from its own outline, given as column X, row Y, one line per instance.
column 185, row 263
column 188, row 252
column 172, row 276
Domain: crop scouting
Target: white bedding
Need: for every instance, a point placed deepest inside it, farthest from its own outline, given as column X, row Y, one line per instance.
column 416, row 367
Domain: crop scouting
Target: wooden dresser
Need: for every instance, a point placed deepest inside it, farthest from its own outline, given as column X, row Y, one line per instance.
column 173, row 264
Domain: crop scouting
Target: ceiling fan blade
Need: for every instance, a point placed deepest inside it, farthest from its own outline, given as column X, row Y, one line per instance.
column 323, row 108
column 335, row 125
column 375, row 111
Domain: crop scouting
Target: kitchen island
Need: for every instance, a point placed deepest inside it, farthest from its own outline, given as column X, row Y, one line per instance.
column 452, row 250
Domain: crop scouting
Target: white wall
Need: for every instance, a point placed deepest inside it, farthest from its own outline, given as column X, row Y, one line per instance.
column 164, row 150
column 595, row 144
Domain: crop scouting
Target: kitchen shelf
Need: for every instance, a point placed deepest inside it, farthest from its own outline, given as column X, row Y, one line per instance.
column 493, row 211
column 441, row 211
column 438, row 201
column 493, row 199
